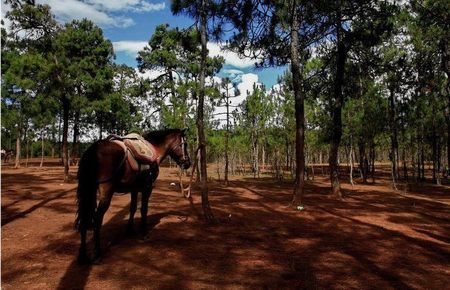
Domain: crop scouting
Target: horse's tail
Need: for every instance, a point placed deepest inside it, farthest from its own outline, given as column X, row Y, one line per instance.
column 87, row 189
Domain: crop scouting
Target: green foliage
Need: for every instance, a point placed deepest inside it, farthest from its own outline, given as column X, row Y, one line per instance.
column 177, row 54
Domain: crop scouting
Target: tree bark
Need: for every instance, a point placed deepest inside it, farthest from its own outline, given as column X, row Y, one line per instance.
column 42, row 148
column 434, row 155
column 17, row 163
column 448, row 125
column 263, row 156
column 27, row 150
column 65, row 147
column 60, row 151
column 297, row 200
column 372, row 160
column 207, row 212
column 422, row 159
column 445, row 63
column 341, row 56
column 438, row 177
column 362, row 160
column 351, row 161
column 76, row 133
column 394, row 140
column 227, row 136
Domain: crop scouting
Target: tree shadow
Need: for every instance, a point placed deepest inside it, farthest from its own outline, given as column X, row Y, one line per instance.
column 9, row 215
column 373, row 239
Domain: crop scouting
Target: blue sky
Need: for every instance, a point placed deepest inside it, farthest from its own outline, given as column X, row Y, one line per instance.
column 129, row 24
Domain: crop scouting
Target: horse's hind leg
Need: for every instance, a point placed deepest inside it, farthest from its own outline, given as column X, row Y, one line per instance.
column 133, row 208
column 82, row 255
column 144, row 210
column 106, row 192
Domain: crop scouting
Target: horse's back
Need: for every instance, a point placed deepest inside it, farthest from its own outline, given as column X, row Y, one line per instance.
column 102, row 159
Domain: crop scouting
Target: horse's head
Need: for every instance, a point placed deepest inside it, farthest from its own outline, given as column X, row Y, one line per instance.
column 178, row 150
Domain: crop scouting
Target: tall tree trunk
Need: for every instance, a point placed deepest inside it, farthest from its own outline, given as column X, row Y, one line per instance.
column 76, row 133
column 42, row 148
column 341, row 56
column 405, row 165
column 438, row 177
column 422, row 158
column 18, row 137
column 207, row 212
column 297, row 200
column 287, row 154
column 53, row 130
column 434, row 155
column 351, row 161
column 394, row 140
column 257, row 157
column 372, row 160
column 172, row 83
column 65, row 147
column 447, row 112
column 445, row 63
column 227, row 133
column 254, row 155
column 27, row 143
column 263, row 156
column 60, row 151
column 362, row 160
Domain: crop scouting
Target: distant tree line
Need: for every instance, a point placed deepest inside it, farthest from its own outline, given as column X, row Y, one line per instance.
column 367, row 82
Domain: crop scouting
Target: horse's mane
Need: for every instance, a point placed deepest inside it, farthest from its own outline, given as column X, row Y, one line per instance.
column 157, row 137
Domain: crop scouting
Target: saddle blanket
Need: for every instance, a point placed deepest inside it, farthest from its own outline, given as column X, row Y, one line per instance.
column 143, row 153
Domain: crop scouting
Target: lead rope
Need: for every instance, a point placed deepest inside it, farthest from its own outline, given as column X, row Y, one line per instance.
column 188, row 189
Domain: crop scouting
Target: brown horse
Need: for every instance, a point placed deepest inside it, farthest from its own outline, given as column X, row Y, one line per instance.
column 104, row 169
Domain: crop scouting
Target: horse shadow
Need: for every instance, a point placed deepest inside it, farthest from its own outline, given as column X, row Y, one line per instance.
column 113, row 234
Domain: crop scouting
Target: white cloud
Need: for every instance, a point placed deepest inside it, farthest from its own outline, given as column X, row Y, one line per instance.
column 152, row 6
column 150, row 74
column 233, row 71
column 276, row 88
column 99, row 11
column 127, row 5
column 246, row 86
column 6, row 21
column 129, row 47
column 68, row 10
column 230, row 57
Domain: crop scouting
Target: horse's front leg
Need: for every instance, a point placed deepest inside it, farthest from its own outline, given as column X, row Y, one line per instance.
column 144, row 210
column 106, row 193
column 133, row 208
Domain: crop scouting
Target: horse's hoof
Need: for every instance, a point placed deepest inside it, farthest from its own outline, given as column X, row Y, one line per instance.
column 97, row 260
column 130, row 232
column 83, row 260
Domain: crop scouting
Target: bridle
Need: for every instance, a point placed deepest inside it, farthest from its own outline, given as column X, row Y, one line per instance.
column 182, row 144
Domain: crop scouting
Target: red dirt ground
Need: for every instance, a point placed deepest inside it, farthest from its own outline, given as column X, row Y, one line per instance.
column 374, row 239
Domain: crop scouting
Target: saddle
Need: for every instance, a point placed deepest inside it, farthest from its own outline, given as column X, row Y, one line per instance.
column 142, row 153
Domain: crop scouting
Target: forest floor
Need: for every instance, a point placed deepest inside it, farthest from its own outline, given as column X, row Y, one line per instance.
column 375, row 238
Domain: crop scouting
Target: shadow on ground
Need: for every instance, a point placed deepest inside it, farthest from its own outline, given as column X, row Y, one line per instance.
column 375, row 238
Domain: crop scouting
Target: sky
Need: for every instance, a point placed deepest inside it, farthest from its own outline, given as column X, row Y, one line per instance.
column 129, row 25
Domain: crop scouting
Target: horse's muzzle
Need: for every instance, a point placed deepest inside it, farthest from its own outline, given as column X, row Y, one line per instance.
column 185, row 164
